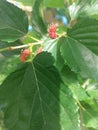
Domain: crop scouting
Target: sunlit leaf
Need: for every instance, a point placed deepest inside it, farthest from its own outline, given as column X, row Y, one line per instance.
column 90, row 117
column 92, row 90
column 83, row 8
column 27, row 2
column 86, row 32
column 79, row 58
column 56, row 3
column 53, row 47
column 70, row 78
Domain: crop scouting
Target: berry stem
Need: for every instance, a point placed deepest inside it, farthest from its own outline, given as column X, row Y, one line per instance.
column 63, row 34
column 31, row 57
column 33, row 38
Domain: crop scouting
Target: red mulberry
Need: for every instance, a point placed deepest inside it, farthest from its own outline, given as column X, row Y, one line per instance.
column 24, row 55
column 52, row 31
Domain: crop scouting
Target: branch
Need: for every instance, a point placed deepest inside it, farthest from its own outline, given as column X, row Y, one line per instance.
column 18, row 47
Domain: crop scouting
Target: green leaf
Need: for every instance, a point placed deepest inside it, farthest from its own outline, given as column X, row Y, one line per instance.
column 70, row 78
column 37, row 20
column 13, row 22
column 48, row 60
column 9, row 53
column 34, row 98
column 83, row 8
column 27, row 2
column 79, row 58
column 92, row 129
column 86, row 32
column 7, row 65
column 90, row 117
column 56, row 3
column 92, row 90
column 53, row 47
column 31, row 36
column 69, row 2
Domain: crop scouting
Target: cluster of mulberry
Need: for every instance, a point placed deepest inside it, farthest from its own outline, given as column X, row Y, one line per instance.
column 52, row 31
column 26, row 53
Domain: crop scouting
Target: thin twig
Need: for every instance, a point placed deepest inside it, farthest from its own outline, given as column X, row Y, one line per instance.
column 13, row 47
column 20, row 46
column 33, row 38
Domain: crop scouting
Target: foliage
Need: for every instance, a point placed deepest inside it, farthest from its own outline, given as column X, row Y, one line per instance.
column 56, row 87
